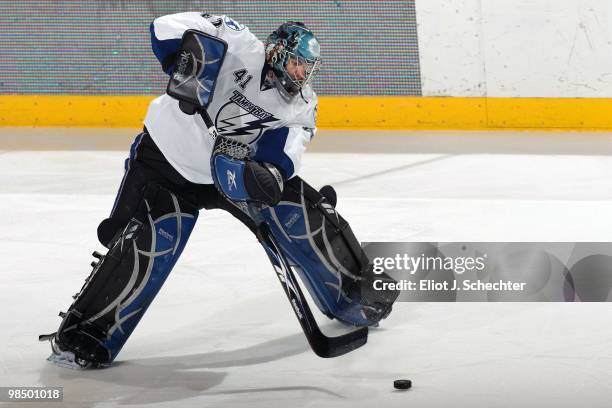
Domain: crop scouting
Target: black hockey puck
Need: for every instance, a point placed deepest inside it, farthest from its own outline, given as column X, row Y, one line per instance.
column 402, row 384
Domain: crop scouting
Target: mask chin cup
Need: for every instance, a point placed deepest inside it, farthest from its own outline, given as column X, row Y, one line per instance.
column 285, row 86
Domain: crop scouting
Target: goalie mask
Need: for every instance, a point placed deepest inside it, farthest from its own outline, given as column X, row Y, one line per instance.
column 293, row 53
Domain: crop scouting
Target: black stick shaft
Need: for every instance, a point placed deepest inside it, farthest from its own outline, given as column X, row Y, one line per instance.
column 212, row 130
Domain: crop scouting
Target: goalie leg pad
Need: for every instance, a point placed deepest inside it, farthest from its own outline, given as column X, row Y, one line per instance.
column 125, row 281
column 321, row 247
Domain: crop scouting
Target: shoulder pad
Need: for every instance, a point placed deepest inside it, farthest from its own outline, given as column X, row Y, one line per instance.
column 232, row 24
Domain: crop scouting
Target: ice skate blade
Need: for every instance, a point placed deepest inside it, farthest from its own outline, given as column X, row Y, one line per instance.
column 66, row 359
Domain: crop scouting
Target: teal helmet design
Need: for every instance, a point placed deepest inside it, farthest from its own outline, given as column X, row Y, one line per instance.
column 295, row 45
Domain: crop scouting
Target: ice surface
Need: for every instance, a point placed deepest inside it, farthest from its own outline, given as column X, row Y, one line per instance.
column 221, row 332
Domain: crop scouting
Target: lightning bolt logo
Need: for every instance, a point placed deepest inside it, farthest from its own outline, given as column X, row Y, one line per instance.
column 242, row 122
column 230, row 127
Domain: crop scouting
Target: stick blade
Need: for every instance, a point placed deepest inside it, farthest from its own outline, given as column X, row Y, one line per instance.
column 329, row 347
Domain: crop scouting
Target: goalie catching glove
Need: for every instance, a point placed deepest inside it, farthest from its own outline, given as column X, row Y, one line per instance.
column 239, row 178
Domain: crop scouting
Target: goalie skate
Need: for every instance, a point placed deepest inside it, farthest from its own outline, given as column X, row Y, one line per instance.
column 64, row 358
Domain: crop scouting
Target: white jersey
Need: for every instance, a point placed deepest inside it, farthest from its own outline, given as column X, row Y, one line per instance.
column 277, row 128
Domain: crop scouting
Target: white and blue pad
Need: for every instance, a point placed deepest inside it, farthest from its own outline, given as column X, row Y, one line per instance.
column 319, row 244
column 195, row 70
column 239, row 178
column 229, row 177
column 125, row 281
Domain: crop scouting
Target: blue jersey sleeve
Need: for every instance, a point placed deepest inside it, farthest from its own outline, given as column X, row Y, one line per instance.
column 283, row 147
column 164, row 50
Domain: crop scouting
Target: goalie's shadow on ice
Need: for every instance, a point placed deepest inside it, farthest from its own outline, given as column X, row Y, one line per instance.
column 171, row 378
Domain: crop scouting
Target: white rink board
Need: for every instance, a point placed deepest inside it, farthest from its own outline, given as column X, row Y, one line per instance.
column 221, row 332
column 515, row 48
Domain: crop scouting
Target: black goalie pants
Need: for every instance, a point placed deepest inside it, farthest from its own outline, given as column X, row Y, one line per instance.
column 146, row 165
